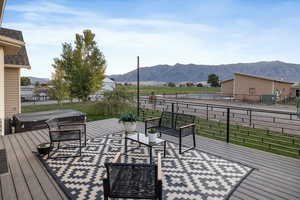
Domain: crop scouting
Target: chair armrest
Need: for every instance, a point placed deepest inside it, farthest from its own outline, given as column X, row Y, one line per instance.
column 152, row 119
column 159, row 171
column 117, row 158
column 187, row 126
column 72, row 124
column 65, row 130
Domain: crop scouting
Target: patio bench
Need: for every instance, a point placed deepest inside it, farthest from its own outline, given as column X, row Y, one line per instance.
column 174, row 124
column 132, row 180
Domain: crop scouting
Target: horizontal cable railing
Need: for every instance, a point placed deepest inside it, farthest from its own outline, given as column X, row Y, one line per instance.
column 274, row 131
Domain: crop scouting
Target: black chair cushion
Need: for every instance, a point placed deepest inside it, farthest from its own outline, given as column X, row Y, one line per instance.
column 172, row 132
column 65, row 136
column 132, row 180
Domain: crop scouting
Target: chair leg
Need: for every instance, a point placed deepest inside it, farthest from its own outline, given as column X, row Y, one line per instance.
column 180, row 141
column 49, row 150
column 58, row 145
column 80, row 146
column 194, row 139
column 85, row 139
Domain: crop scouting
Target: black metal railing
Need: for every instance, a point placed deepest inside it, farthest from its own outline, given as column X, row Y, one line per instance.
column 265, row 129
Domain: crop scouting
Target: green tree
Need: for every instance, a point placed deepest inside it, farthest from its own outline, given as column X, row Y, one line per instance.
column 171, row 84
column 37, row 84
column 213, row 79
column 84, row 65
column 25, row 81
column 59, row 90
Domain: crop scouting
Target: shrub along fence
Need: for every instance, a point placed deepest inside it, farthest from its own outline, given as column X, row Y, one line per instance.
column 273, row 131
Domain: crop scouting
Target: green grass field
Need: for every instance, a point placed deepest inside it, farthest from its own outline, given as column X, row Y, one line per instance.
column 160, row 90
column 94, row 110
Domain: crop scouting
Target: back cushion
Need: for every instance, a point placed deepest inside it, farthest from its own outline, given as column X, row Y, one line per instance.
column 166, row 120
column 183, row 119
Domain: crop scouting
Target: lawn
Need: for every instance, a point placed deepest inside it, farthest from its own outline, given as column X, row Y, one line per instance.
column 94, row 110
column 160, row 90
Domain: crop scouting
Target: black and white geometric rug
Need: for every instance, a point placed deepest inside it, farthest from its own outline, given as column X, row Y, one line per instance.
column 194, row 175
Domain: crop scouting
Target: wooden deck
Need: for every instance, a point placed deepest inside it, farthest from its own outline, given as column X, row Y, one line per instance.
column 276, row 177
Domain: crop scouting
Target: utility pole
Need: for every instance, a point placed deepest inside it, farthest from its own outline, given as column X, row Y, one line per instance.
column 138, row 86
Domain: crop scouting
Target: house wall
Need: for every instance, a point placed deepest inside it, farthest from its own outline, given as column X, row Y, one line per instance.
column 242, row 85
column 227, row 87
column 293, row 91
column 12, row 91
column 284, row 89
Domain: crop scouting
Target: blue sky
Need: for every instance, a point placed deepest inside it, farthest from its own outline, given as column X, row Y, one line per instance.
column 159, row 31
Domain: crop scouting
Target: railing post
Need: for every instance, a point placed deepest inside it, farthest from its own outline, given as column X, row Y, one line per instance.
column 227, row 125
column 206, row 112
column 250, row 117
column 172, row 115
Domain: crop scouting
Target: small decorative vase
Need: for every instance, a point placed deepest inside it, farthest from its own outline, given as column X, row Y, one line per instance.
column 129, row 126
column 152, row 137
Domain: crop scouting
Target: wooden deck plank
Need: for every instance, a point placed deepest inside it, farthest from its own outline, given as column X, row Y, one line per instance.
column 7, row 186
column 20, row 184
column 35, row 140
column 33, row 184
column 41, row 174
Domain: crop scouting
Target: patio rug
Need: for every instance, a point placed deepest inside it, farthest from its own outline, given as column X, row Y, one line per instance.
column 194, row 175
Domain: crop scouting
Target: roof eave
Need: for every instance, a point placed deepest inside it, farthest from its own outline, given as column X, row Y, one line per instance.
column 10, row 45
column 17, row 66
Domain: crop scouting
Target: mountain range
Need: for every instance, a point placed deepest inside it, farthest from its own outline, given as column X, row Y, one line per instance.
column 40, row 80
column 195, row 73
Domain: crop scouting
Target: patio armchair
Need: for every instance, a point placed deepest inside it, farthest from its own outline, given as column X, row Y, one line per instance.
column 75, row 126
column 132, row 180
column 62, row 133
column 174, row 124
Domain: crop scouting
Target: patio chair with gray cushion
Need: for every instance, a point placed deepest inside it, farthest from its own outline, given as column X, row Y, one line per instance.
column 62, row 133
column 133, row 180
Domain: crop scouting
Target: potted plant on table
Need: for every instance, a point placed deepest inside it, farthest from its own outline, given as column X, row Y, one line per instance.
column 129, row 121
column 152, row 134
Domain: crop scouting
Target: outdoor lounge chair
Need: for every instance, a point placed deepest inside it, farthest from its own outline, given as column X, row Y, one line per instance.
column 62, row 132
column 174, row 124
column 133, row 180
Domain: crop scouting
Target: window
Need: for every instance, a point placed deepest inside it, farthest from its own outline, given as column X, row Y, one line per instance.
column 251, row 91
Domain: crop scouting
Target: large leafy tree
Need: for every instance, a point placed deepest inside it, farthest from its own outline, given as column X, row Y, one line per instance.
column 84, row 65
column 213, row 79
column 59, row 91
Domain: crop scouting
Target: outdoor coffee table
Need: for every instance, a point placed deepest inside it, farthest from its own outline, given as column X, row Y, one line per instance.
column 142, row 139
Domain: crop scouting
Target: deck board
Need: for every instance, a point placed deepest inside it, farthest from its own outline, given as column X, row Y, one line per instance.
column 44, row 180
column 275, row 177
column 19, row 181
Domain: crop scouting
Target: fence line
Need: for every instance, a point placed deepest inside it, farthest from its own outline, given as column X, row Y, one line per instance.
column 276, row 131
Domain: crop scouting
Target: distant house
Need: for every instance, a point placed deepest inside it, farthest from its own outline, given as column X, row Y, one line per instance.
column 108, row 86
column 31, row 93
column 27, row 93
column 13, row 57
column 249, row 87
